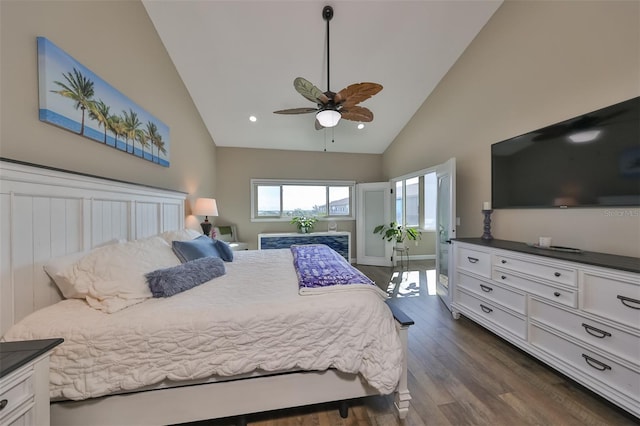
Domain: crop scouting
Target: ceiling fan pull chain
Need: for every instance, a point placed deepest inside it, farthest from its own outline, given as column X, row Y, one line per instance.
column 325, row 141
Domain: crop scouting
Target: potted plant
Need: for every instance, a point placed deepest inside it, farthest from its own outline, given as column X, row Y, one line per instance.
column 304, row 223
column 397, row 233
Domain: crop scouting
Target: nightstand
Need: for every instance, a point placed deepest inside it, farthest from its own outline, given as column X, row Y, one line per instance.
column 24, row 381
column 235, row 246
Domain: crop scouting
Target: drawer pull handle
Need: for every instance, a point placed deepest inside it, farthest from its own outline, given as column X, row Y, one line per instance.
column 486, row 288
column 472, row 259
column 503, row 261
column 3, row 404
column 486, row 309
column 557, row 274
column 625, row 300
column 594, row 363
column 596, row 332
column 556, row 293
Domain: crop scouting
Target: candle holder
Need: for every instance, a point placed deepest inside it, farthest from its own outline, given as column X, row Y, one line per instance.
column 487, row 225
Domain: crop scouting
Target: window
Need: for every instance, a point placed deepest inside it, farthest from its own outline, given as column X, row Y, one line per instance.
column 412, row 202
column 415, row 200
column 430, row 201
column 274, row 200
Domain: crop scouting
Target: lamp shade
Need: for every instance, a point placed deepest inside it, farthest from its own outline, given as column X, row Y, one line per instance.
column 328, row 117
column 205, row 207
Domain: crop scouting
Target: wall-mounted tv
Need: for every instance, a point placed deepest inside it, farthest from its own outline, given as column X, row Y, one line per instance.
column 588, row 161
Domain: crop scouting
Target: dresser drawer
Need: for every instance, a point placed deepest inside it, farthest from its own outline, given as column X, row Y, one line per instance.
column 21, row 417
column 487, row 289
column 612, row 297
column 16, row 390
column 559, row 295
column 601, row 368
column 474, row 261
column 609, row 339
column 492, row 312
column 550, row 272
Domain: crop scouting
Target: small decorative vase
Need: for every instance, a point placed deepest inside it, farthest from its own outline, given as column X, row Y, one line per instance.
column 304, row 229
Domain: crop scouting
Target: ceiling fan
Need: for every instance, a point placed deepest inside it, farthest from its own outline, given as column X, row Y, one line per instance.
column 331, row 107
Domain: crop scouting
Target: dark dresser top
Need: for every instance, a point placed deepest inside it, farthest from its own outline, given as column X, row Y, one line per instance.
column 14, row 355
column 613, row 261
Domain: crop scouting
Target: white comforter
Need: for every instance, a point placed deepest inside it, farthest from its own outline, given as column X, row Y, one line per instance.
column 251, row 318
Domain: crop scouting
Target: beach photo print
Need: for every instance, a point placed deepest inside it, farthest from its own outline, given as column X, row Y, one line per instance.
column 74, row 98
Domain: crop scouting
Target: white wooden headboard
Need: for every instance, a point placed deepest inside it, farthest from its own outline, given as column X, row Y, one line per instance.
column 47, row 213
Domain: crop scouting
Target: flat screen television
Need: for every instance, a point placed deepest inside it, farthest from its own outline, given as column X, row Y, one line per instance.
column 588, row 161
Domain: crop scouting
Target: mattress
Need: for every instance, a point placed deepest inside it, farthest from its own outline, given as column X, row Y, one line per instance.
column 250, row 319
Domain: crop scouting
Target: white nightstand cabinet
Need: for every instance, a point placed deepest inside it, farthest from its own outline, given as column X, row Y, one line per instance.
column 24, row 382
column 578, row 312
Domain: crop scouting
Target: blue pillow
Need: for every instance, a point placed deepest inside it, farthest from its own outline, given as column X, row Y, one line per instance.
column 225, row 250
column 169, row 281
column 203, row 246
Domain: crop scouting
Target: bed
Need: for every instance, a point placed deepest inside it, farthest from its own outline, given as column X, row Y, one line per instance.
column 85, row 212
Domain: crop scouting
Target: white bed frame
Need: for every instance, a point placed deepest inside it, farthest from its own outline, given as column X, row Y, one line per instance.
column 47, row 213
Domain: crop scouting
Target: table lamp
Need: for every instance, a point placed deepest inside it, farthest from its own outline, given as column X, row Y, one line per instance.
column 205, row 207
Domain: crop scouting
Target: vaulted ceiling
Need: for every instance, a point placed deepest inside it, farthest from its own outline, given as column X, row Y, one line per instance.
column 239, row 58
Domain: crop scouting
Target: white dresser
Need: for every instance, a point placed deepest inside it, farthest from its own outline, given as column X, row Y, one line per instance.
column 578, row 312
column 24, row 382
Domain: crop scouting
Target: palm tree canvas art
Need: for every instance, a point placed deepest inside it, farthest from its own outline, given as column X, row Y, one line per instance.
column 76, row 99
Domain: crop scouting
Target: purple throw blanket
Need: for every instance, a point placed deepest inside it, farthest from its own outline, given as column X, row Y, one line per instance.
column 319, row 266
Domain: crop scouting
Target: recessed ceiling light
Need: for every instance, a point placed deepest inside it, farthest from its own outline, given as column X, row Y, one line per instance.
column 360, row 126
column 252, row 118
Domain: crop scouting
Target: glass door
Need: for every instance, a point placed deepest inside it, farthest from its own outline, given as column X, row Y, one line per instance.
column 373, row 209
column 446, row 227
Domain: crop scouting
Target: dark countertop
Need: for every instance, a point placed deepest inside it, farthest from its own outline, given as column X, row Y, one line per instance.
column 14, row 355
column 613, row 261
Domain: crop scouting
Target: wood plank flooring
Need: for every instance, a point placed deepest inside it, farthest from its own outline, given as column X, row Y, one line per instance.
column 459, row 374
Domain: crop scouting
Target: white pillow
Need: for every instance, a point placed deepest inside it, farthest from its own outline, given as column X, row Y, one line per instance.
column 112, row 277
column 55, row 267
column 180, row 235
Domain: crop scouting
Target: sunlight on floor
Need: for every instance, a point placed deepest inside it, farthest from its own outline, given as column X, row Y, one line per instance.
column 407, row 283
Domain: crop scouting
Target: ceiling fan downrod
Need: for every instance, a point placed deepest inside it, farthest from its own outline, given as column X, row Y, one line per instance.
column 327, row 14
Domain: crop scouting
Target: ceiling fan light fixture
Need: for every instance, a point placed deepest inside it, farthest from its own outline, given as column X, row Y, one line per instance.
column 328, row 117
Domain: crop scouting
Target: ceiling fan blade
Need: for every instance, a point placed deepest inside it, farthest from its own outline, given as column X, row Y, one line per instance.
column 357, row 113
column 309, row 91
column 356, row 93
column 296, row 111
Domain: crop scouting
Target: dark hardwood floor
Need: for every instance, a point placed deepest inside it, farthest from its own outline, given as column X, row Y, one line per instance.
column 459, row 374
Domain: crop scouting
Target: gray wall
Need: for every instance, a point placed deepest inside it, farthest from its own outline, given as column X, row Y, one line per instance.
column 237, row 166
column 117, row 41
column 535, row 63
